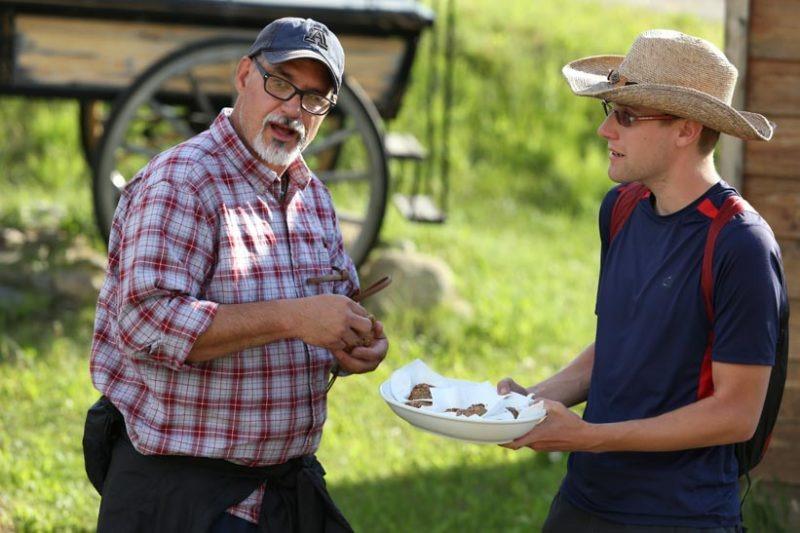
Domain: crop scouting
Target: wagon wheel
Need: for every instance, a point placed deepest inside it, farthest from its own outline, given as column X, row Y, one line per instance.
column 91, row 116
column 181, row 94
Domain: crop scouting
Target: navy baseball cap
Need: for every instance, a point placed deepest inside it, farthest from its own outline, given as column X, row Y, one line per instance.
column 294, row 38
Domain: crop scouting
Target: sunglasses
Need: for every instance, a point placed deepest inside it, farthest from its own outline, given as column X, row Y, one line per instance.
column 626, row 119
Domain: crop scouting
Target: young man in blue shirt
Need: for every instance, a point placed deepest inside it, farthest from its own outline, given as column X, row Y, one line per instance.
column 669, row 388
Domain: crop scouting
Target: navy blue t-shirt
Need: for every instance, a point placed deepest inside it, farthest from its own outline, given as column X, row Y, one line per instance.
column 651, row 336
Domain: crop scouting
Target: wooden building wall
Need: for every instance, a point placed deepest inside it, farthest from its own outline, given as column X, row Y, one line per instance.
column 771, row 182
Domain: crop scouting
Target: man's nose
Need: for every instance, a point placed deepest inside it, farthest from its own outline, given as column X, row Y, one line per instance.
column 608, row 128
column 292, row 105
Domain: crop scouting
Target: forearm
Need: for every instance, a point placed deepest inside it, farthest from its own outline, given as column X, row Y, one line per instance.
column 709, row 422
column 239, row 326
column 729, row 415
column 570, row 385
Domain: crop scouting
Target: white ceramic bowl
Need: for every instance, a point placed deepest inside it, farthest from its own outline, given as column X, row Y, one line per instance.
column 469, row 429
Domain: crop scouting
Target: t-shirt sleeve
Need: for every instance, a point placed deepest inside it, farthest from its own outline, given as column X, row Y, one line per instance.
column 749, row 295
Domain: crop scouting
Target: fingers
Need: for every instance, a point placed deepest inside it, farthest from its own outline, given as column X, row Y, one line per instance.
column 369, row 337
column 504, row 386
column 356, row 365
column 375, row 352
column 507, row 385
column 357, row 308
column 337, row 323
column 518, row 443
column 349, row 338
column 362, row 325
column 363, row 358
column 532, row 439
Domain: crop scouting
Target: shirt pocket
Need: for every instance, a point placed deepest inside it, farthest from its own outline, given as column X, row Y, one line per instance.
column 312, row 257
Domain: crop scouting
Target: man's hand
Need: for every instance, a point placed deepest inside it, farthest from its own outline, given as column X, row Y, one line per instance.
column 331, row 321
column 363, row 359
column 562, row 431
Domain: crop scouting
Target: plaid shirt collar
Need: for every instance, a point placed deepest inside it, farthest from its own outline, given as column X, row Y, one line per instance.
column 263, row 178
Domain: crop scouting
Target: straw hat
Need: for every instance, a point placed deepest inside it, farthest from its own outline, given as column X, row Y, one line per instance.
column 675, row 73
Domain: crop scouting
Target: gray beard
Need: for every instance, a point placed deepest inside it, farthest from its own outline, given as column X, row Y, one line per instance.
column 275, row 153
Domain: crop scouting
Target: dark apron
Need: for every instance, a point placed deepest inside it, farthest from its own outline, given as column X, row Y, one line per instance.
column 173, row 493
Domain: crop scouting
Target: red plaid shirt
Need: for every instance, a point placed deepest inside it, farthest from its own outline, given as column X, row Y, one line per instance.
column 203, row 224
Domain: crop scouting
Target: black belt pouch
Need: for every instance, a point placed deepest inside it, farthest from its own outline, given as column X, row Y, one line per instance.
column 103, row 426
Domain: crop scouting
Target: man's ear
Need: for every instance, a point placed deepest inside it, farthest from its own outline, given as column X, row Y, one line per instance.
column 688, row 132
column 242, row 71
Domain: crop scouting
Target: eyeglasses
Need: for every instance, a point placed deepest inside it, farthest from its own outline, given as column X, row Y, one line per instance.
column 626, row 119
column 283, row 89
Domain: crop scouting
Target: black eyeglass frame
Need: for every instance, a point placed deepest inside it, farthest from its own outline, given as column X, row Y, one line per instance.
column 626, row 119
column 296, row 90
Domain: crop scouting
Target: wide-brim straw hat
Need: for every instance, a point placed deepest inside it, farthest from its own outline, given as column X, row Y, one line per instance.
column 674, row 73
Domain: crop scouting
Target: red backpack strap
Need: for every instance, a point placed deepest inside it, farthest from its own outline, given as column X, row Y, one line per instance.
column 629, row 195
column 732, row 206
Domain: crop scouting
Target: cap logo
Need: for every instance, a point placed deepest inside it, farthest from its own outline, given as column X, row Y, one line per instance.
column 316, row 35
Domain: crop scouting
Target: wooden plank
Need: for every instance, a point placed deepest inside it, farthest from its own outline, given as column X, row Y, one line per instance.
column 779, row 157
column 790, row 250
column 794, row 326
column 731, row 149
column 63, row 51
column 774, row 29
column 790, row 405
column 774, row 88
column 790, row 408
column 778, row 201
column 793, row 378
column 781, row 463
column 60, row 52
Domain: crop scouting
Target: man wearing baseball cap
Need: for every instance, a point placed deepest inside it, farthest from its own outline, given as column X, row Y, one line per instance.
column 226, row 304
column 687, row 331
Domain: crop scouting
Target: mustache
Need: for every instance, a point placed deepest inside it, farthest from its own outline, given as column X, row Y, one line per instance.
column 295, row 125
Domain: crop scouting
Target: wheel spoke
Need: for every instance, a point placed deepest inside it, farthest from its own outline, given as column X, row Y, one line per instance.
column 168, row 113
column 200, row 117
column 334, row 139
column 200, row 97
column 350, row 218
column 335, row 176
column 140, row 150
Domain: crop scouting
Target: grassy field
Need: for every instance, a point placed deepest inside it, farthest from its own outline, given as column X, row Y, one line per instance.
column 528, row 172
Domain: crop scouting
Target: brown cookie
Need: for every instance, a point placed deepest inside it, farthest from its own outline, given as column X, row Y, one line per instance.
column 421, row 391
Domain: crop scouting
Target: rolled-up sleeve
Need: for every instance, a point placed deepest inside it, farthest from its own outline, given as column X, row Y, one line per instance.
column 166, row 254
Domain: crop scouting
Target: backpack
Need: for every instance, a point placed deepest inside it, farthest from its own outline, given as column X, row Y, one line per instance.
column 748, row 453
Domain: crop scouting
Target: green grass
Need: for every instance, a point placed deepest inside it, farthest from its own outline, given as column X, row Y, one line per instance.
column 528, row 172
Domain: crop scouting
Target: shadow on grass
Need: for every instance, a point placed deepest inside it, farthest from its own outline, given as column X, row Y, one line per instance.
column 507, row 497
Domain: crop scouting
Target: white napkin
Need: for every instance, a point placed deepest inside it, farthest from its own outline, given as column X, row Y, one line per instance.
column 449, row 393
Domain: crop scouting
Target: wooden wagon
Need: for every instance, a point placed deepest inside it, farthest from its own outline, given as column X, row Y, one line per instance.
column 149, row 74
